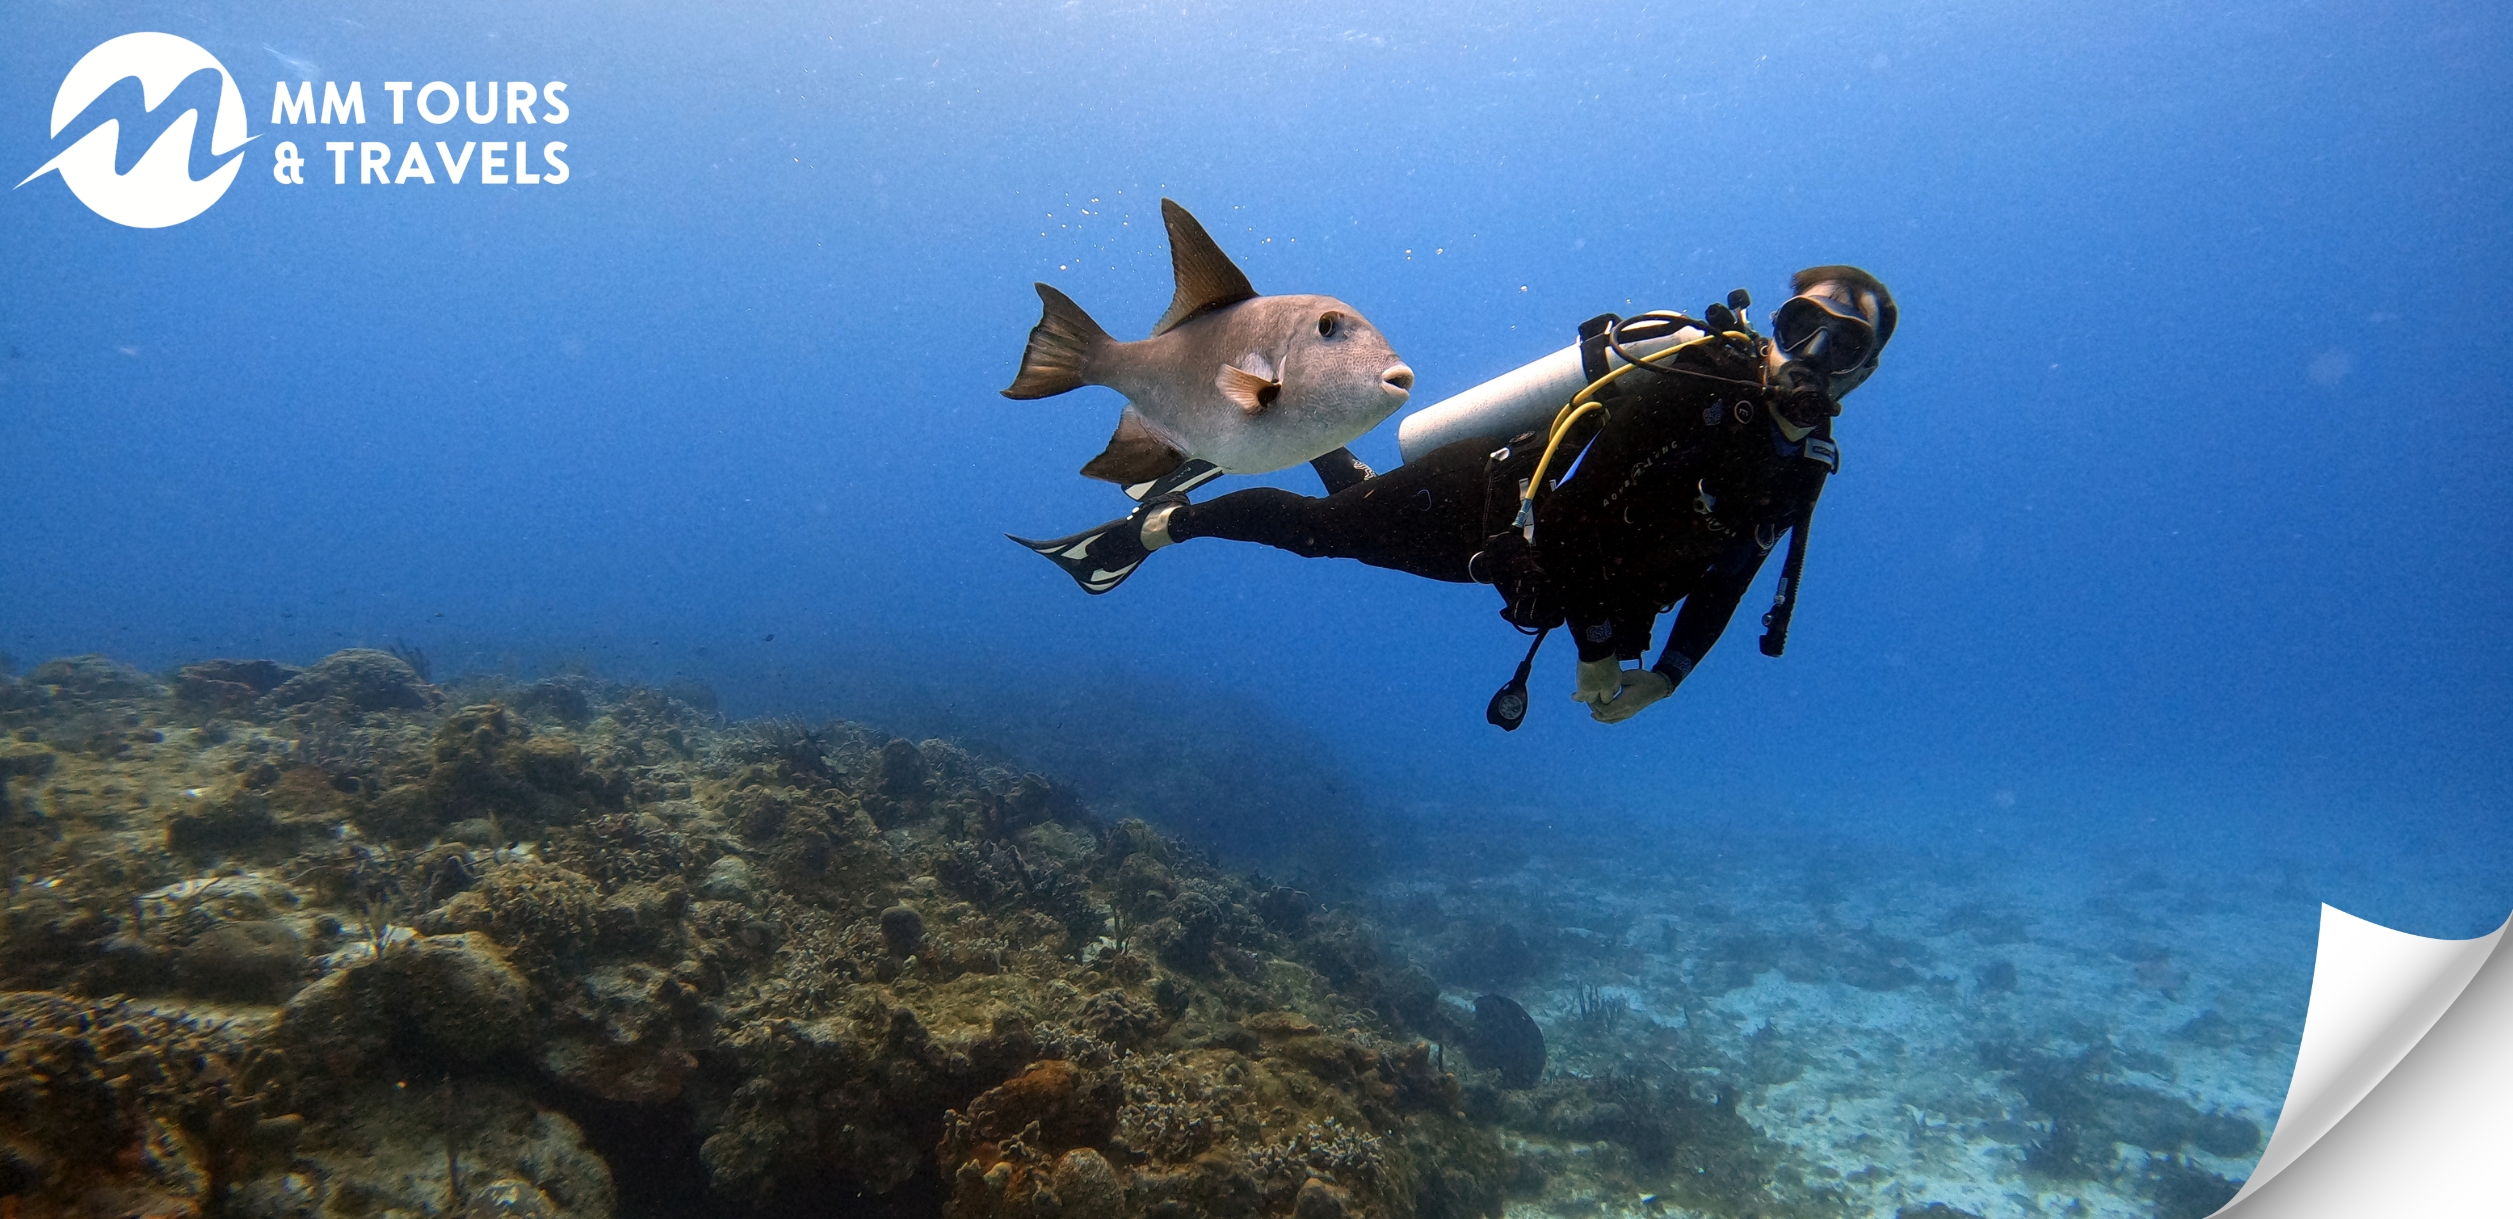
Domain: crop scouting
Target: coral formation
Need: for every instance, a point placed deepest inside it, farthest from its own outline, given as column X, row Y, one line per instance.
column 337, row 941
column 109, row 1107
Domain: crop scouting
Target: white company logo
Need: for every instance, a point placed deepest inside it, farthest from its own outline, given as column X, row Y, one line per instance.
column 160, row 189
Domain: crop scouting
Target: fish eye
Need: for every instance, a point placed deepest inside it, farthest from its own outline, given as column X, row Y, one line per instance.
column 1329, row 323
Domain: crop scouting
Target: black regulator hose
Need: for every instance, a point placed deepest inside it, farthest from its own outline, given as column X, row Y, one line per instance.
column 1784, row 601
column 1675, row 321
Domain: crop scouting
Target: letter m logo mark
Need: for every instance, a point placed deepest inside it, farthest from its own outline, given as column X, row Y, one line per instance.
column 299, row 107
column 286, row 109
column 337, row 111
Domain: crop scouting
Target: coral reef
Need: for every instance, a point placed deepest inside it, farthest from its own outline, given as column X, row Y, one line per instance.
column 338, row 941
column 110, row 1108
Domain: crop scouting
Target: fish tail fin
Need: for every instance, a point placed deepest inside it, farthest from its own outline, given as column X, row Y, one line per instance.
column 1061, row 348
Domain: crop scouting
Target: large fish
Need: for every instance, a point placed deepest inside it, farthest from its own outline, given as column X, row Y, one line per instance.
column 1249, row 383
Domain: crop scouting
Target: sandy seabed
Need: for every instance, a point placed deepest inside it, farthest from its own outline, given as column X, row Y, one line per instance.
column 1896, row 1034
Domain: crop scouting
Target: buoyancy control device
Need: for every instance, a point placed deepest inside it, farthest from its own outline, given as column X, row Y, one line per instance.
column 1544, row 397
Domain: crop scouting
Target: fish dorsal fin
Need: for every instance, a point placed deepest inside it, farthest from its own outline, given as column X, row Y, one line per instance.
column 1207, row 280
column 1250, row 392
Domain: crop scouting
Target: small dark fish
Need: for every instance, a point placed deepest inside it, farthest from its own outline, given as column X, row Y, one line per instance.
column 1506, row 1039
column 1250, row 383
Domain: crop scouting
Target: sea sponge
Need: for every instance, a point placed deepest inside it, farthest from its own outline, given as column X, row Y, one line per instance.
column 433, row 999
column 1070, row 1105
column 229, row 685
column 91, row 679
column 902, row 930
column 486, row 762
column 362, row 679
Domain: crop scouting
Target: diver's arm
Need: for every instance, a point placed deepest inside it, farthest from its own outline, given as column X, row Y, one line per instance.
column 1591, row 547
column 1607, row 632
column 1606, row 640
column 1649, row 455
column 1609, row 591
column 1616, row 694
column 1707, row 610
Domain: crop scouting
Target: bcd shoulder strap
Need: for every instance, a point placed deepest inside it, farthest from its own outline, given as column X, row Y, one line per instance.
column 1819, row 449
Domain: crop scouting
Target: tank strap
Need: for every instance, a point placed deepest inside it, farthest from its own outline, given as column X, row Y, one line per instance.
column 1593, row 346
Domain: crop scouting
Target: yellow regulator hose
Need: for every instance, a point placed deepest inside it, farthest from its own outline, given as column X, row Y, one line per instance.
column 1571, row 413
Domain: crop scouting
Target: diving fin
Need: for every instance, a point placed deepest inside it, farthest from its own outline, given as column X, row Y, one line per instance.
column 1193, row 474
column 1340, row 469
column 1101, row 558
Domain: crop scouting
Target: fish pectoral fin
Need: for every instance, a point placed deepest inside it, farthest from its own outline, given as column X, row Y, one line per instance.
column 1206, row 278
column 1251, row 392
column 1135, row 454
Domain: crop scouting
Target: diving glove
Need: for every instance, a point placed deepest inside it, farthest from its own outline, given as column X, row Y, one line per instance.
column 1600, row 681
column 1640, row 688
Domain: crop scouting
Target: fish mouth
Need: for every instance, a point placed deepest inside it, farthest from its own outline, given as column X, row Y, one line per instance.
column 1398, row 381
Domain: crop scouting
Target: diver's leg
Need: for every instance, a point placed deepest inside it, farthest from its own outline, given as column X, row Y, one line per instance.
column 1423, row 517
column 1340, row 470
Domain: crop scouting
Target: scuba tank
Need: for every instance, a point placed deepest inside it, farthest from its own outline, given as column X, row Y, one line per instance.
column 1525, row 398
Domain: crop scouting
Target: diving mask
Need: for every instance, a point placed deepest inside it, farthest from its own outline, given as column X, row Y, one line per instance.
column 1822, row 328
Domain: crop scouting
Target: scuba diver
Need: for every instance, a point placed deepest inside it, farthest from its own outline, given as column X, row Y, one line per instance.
column 1658, row 460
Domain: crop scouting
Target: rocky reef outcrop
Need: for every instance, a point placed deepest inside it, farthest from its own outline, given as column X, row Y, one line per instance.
column 339, row 941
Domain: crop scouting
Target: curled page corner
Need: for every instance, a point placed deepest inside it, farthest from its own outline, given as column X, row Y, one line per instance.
column 2377, row 994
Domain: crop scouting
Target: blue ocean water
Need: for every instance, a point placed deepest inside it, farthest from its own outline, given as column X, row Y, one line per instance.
column 2171, row 533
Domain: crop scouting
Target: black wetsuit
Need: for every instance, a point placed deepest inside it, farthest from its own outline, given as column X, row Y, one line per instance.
column 1677, row 491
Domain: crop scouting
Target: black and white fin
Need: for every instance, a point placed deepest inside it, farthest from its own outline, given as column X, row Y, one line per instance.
column 1098, row 559
column 1340, row 470
column 1195, row 473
